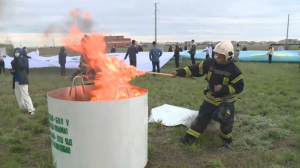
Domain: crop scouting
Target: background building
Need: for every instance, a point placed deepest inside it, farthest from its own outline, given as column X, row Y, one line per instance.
column 118, row 41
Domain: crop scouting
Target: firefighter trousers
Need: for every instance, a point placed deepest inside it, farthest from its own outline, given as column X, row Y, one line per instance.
column 202, row 120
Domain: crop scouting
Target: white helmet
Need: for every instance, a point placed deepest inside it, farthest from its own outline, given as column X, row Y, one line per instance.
column 225, row 48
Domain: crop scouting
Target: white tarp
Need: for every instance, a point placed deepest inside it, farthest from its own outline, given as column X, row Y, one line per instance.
column 143, row 61
column 171, row 115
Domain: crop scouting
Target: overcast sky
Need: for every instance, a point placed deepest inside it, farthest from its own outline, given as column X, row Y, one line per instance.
column 26, row 20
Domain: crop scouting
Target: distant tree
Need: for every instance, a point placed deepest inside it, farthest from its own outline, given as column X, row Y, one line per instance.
column 252, row 42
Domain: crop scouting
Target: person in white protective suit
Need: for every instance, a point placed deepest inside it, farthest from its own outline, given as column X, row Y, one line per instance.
column 37, row 52
column 208, row 51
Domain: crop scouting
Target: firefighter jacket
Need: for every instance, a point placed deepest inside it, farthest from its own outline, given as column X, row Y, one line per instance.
column 89, row 74
column 227, row 75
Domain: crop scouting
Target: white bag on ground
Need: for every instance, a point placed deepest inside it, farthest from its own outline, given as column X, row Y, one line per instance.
column 172, row 115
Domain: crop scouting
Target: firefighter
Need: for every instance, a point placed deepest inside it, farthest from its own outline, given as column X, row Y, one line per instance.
column 225, row 81
column 87, row 73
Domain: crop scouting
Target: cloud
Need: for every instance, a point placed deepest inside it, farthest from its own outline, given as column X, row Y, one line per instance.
column 177, row 20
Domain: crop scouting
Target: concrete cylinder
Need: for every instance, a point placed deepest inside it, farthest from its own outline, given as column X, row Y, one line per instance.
column 104, row 134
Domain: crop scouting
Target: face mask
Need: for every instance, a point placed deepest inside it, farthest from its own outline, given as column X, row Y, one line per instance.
column 17, row 54
column 26, row 50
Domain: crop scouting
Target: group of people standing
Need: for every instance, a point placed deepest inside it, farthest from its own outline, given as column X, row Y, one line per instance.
column 154, row 54
column 139, row 47
column 209, row 51
column 176, row 46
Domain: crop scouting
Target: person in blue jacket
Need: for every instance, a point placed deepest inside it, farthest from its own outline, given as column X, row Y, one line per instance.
column 154, row 55
column 20, row 80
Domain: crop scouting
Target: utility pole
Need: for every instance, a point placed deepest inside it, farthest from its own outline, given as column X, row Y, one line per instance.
column 8, row 41
column 287, row 32
column 156, row 22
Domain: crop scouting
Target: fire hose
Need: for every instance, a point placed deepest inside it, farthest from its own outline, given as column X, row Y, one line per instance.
column 161, row 74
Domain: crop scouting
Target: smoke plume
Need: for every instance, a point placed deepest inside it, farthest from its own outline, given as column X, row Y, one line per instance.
column 82, row 19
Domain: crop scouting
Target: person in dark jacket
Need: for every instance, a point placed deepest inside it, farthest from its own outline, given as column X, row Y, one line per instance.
column 62, row 60
column 180, row 49
column 2, row 63
column 154, row 55
column 132, row 51
column 20, row 81
column 192, row 52
column 177, row 55
column 170, row 48
column 24, row 51
column 185, row 47
column 140, row 48
column 113, row 49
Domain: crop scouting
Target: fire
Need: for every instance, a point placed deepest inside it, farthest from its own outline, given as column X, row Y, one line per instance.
column 112, row 72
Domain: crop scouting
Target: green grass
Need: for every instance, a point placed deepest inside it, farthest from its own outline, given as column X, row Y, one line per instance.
column 215, row 163
column 266, row 128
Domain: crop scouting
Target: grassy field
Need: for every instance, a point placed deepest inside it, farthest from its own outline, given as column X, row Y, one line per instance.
column 266, row 129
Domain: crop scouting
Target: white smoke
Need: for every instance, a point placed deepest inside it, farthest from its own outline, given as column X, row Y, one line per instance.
column 81, row 18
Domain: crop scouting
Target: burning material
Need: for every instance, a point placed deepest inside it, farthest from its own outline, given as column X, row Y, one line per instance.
column 79, row 122
column 111, row 71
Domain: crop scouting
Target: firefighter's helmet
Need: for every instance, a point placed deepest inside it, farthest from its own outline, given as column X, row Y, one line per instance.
column 225, row 48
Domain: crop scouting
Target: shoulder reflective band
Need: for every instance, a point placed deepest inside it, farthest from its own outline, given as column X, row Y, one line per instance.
column 237, row 79
column 225, row 80
column 201, row 68
column 209, row 75
column 188, row 73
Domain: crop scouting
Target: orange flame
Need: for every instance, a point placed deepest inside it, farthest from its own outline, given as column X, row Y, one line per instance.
column 112, row 72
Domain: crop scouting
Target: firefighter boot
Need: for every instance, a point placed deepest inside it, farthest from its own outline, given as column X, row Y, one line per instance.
column 188, row 139
column 226, row 143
